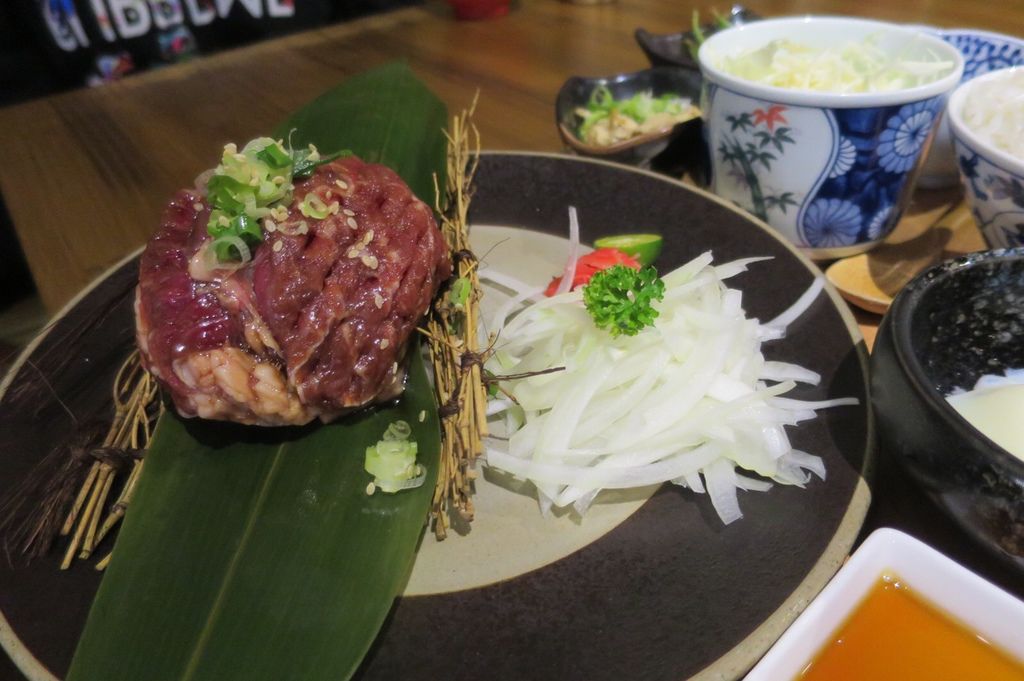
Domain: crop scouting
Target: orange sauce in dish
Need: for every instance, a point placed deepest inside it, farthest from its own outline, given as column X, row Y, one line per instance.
column 895, row 635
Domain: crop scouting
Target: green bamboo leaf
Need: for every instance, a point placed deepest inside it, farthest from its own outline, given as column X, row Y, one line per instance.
column 385, row 115
column 253, row 553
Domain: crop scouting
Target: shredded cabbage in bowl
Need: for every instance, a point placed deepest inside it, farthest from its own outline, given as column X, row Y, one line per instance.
column 851, row 67
column 995, row 112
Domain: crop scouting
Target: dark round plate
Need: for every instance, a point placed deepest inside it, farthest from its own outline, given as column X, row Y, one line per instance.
column 669, row 593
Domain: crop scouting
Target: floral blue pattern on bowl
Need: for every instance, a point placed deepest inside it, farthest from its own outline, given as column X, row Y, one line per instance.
column 996, row 196
column 831, row 171
column 984, row 52
column 993, row 178
column 857, row 164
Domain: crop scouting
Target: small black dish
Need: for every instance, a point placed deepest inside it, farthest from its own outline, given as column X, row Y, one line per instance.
column 951, row 325
column 682, row 145
column 673, row 49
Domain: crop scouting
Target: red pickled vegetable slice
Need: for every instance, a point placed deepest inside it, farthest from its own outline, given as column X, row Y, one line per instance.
column 591, row 263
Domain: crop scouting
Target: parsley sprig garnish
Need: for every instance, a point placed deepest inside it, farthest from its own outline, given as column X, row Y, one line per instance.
column 620, row 299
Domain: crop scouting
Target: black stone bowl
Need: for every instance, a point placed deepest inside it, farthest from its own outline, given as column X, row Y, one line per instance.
column 673, row 49
column 680, row 145
column 951, row 325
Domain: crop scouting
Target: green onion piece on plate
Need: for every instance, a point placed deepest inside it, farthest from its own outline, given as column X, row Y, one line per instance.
column 392, row 461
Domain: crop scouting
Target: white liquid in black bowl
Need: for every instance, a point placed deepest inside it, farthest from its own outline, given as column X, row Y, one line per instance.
column 995, row 406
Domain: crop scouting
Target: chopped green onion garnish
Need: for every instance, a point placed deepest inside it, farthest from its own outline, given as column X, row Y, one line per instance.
column 248, row 183
column 274, row 156
column 459, row 293
column 306, row 161
column 221, row 191
column 230, row 248
column 312, row 206
column 398, row 430
column 602, row 105
column 392, row 461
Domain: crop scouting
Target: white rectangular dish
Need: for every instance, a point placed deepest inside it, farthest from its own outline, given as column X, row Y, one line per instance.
column 952, row 588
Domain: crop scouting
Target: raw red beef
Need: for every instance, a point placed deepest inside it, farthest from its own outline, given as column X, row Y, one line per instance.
column 315, row 325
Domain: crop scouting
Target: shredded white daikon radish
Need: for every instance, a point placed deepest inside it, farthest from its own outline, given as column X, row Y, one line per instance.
column 794, row 311
column 687, row 400
column 574, row 250
column 995, row 112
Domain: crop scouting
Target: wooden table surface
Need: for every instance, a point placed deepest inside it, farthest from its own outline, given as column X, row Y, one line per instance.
column 86, row 173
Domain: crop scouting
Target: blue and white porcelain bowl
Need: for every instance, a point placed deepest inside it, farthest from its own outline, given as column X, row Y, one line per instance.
column 832, row 172
column 983, row 52
column 993, row 179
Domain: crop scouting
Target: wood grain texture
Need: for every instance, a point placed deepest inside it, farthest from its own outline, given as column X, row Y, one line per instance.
column 927, row 235
column 86, row 173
